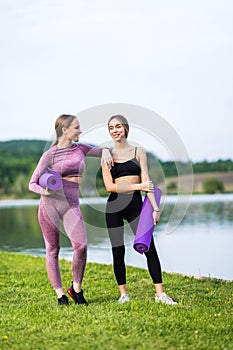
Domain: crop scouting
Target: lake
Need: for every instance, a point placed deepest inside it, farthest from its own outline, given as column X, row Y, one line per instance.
column 199, row 245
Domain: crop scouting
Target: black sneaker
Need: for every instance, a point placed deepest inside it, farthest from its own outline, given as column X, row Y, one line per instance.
column 63, row 300
column 78, row 297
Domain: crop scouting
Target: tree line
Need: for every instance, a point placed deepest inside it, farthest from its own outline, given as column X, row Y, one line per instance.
column 18, row 159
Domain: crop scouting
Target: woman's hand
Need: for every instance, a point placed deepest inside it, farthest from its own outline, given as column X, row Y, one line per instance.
column 48, row 192
column 156, row 216
column 107, row 159
column 147, row 186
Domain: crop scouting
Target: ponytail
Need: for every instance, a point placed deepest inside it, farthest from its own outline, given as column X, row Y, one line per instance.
column 55, row 141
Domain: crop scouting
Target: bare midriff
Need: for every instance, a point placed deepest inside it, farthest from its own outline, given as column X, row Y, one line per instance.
column 76, row 179
column 131, row 179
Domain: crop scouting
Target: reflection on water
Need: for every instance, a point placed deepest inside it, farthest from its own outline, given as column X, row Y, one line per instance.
column 200, row 246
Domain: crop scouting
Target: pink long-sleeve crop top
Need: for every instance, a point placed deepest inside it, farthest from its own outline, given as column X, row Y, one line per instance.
column 68, row 161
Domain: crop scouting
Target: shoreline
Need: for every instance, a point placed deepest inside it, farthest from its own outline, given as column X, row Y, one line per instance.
column 64, row 256
column 170, row 198
column 201, row 278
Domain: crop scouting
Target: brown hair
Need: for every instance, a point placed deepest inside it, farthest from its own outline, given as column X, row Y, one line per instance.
column 123, row 121
column 63, row 121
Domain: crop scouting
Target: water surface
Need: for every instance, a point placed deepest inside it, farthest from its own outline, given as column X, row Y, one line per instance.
column 200, row 246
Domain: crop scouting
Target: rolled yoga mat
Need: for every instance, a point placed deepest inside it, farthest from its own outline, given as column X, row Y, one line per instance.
column 51, row 179
column 145, row 226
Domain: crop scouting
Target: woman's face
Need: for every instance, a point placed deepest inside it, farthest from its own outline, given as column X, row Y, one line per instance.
column 116, row 129
column 73, row 131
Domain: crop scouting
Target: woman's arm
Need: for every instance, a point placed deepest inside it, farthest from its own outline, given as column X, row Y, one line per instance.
column 104, row 153
column 124, row 185
column 145, row 177
column 42, row 165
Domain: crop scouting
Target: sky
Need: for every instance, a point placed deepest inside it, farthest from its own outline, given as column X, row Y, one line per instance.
column 173, row 58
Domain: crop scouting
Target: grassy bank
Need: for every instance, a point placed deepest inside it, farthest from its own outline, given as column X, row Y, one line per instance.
column 31, row 319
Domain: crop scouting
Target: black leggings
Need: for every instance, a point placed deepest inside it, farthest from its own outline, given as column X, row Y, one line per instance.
column 127, row 206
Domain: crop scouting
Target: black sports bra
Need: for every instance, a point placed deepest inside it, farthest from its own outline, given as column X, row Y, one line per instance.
column 130, row 167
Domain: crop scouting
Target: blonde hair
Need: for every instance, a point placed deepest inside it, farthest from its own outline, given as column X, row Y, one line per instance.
column 123, row 121
column 63, row 121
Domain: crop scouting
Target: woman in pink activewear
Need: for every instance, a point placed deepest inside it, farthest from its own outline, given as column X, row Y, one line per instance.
column 67, row 158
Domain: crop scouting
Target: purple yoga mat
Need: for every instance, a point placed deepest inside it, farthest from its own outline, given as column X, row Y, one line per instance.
column 51, row 179
column 145, row 226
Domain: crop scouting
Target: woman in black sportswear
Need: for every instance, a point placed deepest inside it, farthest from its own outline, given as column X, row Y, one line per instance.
column 124, row 181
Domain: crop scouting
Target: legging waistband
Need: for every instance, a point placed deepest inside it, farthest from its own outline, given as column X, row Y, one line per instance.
column 69, row 184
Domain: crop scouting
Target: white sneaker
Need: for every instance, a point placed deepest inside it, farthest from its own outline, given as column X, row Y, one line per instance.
column 123, row 299
column 164, row 298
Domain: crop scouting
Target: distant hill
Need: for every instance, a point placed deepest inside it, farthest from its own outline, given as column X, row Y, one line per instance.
column 22, row 148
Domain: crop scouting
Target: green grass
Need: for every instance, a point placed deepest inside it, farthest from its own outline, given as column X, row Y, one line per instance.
column 31, row 319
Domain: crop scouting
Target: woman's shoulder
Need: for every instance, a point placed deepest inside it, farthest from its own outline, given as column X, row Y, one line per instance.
column 82, row 145
column 49, row 151
column 47, row 155
column 140, row 154
column 139, row 150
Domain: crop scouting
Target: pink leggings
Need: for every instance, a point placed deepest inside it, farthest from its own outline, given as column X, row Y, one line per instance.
column 63, row 206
